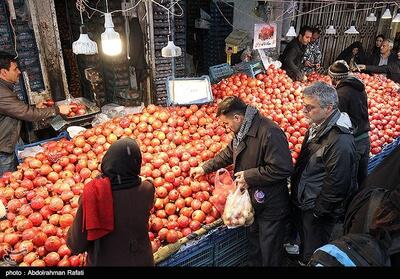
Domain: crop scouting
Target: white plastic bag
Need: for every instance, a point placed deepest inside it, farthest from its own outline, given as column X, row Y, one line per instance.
column 238, row 209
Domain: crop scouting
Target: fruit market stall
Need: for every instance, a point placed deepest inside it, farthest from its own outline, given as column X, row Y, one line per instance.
column 42, row 195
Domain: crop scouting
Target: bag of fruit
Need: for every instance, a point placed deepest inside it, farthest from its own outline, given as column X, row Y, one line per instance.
column 238, row 209
column 223, row 186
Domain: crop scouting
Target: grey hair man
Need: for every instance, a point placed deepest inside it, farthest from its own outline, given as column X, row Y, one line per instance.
column 324, row 178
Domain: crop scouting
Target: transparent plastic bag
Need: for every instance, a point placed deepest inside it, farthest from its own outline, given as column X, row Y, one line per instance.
column 223, row 186
column 238, row 209
column 100, row 118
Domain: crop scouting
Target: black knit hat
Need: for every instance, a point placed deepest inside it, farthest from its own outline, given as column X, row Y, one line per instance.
column 339, row 69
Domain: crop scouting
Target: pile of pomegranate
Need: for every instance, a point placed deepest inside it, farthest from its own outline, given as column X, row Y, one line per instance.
column 42, row 195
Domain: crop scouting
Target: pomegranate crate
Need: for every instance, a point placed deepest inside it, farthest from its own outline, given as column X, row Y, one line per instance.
column 220, row 247
column 21, row 147
column 195, row 253
column 374, row 161
column 219, row 72
column 230, row 247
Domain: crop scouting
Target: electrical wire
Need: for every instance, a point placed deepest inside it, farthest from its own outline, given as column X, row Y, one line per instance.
column 231, row 24
column 15, row 39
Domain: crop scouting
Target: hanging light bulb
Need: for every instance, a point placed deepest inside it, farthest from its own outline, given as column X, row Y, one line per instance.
column 371, row 16
column 170, row 50
column 291, row 32
column 387, row 14
column 84, row 45
column 352, row 30
column 396, row 18
column 331, row 29
column 110, row 40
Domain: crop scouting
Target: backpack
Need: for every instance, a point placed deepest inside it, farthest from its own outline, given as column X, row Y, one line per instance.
column 356, row 249
column 351, row 250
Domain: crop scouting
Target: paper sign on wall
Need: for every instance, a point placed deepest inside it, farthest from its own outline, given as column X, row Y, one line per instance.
column 264, row 35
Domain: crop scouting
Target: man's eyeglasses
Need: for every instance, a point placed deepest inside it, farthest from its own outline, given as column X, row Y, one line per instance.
column 309, row 108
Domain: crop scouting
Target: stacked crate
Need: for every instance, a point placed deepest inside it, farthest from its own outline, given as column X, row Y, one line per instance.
column 214, row 45
column 163, row 66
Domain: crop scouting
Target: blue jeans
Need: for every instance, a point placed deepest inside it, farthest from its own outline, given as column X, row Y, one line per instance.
column 8, row 162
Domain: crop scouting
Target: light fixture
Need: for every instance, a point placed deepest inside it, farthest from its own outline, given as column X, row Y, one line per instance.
column 371, row 16
column 110, row 40
column 84, row 45
column 291, row 32
column 331, row 29
column 352, row 30
column 387, row 14
column 170, row 50
column 396, row 18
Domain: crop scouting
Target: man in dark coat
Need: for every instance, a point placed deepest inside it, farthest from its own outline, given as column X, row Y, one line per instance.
column 386, row 55
column 13, row 111
column 292, row 56
column 353, row 100
column 324, row 175
column 262, row 163
column 391, row 70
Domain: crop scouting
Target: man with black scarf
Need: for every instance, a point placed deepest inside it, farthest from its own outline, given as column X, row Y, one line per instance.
column 262, row 163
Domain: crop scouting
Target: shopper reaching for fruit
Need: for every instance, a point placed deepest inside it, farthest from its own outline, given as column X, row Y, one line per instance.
column 13, row 111
column 260, row 154
column 111, row 223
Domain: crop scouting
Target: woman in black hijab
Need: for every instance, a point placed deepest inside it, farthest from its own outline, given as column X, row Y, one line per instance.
column 111, row 223
column 353, row 54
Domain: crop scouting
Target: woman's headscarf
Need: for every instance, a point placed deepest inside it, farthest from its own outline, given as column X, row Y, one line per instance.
column 121, row 164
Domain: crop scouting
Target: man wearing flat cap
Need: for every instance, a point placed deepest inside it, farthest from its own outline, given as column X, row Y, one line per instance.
column 353, row 101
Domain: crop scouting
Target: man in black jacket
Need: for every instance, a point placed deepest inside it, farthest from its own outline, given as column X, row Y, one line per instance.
column 292, row 56
column 324, row 176
column 391, row 70
column 386, row 55
column 262, row 163
column 353, row 100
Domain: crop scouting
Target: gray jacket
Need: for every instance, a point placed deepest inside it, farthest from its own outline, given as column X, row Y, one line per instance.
column 12, row 112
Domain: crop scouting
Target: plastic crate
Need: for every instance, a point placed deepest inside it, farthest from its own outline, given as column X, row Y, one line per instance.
column 250, row 68
column 195, row 253
column 374, row 161
column 219, row 72
column 19, row 148
column 230, row 247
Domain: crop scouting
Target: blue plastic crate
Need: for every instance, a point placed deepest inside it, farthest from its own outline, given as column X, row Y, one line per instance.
column 219, row 72
column 374, row 161
column 252, row 68
column 22, row 147
column 195, row 253
column 230, row 247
